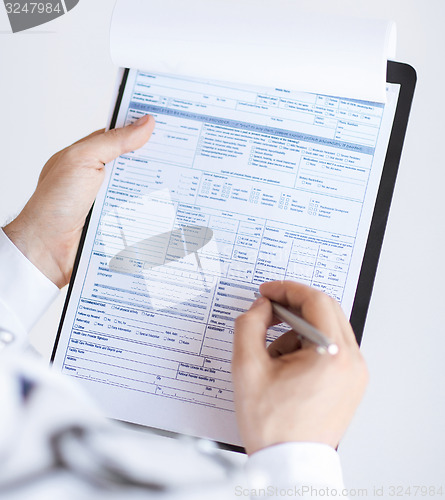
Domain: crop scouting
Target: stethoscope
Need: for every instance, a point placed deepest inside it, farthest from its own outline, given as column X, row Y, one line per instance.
column 73, row 450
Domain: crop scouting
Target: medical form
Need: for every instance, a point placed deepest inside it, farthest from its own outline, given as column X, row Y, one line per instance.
column 238, row 185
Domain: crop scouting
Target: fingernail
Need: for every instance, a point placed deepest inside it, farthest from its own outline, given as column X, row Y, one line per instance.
column 258, row 302
column 141, row 121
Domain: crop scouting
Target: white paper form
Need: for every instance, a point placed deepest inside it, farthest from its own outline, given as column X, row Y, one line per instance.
column 238, row 185
column 258, row 42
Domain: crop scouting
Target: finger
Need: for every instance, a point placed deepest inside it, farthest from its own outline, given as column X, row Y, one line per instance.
column 314, row 306
column 93, row 134
column 109, row 145
column 286, row 343
column 249, row 345
column 275, row 320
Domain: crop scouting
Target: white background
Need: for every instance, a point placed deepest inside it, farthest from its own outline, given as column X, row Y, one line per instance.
column 55, row 87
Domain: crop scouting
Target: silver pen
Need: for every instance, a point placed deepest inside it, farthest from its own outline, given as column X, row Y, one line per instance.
column 303, row 328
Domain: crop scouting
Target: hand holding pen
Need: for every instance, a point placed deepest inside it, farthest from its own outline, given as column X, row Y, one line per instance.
column 302, row 328
column 288, row 392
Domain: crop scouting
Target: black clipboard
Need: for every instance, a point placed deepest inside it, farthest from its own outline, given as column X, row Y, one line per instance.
column 397, row 73
column 405, row 76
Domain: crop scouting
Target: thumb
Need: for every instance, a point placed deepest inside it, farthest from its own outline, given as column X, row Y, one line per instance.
column 105, row 147
column 249, row 343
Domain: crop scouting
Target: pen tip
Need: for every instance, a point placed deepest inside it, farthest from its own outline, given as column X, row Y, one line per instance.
column 333, row 349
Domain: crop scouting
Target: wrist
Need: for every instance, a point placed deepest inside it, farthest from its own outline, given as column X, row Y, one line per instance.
column 26, row 237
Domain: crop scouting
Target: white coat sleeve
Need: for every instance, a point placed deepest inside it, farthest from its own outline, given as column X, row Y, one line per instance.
column 25, row 293
column 301, row 470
